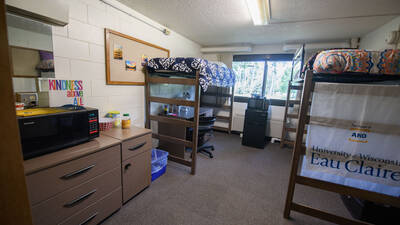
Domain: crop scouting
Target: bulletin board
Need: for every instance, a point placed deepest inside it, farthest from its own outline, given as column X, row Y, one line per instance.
column 125, row 58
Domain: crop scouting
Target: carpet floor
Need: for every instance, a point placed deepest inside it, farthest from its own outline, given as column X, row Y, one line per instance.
column 240, row 185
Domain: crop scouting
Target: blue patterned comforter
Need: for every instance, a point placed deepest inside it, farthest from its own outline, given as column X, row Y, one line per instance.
column 211, row 73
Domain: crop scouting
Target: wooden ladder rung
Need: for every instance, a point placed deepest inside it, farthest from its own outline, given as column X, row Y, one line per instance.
column 223, row 117
column 172, row 120
column 293, row 116
column 347, row 190
column 324, row 215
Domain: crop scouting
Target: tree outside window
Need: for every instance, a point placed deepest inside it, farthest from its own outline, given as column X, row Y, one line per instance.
column 250, row 76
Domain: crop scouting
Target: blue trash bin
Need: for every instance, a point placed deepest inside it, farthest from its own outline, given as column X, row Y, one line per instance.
column 159, row 160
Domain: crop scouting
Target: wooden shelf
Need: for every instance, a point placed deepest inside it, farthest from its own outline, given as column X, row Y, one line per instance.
column 227, row 107
column 172, row 120
column 172, row 101
column 216, row 94
column 221, row 128
column 173, row 140
column 223, row 117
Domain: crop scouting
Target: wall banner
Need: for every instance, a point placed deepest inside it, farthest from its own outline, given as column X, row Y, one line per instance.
column 355, row 134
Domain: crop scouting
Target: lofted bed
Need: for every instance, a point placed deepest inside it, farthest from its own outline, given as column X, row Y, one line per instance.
column 349, row 104
column 179, row 82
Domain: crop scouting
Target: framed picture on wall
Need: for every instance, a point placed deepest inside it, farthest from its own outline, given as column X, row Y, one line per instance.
column 124, row 56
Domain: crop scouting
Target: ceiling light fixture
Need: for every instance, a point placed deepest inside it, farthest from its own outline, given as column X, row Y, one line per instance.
column 260, row 11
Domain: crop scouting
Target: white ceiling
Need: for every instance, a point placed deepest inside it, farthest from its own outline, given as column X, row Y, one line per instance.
column 223, row 22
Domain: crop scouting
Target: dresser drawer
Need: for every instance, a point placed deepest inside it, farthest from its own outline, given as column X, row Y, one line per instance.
column 49, row 182
column 65, row 204
column 136, row 174
column 136, row 146
column 98, row 211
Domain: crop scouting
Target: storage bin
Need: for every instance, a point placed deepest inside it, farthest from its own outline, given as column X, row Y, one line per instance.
column 159, row 159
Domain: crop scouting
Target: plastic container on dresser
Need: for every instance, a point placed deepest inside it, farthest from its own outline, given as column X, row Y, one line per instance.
column 159, row 160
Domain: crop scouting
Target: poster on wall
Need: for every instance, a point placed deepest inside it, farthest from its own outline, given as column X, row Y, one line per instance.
column 117, row 51
column 130, row 65
column 353, row 136
column 63, row 92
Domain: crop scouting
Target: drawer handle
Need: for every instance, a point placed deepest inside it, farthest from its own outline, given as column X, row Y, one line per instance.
column 137, row 146
column 127, row 166
column 78, row 172
column 80, row 199
column 89, row 219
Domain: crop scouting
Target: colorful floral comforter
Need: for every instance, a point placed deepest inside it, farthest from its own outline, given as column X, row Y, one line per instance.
column 211, row 73
column 338, row 61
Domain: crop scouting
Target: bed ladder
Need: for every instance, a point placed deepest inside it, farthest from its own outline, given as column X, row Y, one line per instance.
column 295, row 178
column 286, row 127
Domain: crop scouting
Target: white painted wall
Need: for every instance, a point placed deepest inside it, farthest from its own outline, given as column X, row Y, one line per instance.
column 276, row 113
column 375, row 40
column 79, row 54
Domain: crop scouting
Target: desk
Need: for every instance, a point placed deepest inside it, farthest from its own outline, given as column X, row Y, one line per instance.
column 179, row 131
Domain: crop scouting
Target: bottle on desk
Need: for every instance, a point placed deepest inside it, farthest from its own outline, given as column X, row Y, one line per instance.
column 126, row 121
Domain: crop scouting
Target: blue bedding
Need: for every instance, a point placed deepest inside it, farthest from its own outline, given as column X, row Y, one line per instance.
column 211, row 73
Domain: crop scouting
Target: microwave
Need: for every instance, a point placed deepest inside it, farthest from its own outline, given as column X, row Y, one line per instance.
column 46, row 130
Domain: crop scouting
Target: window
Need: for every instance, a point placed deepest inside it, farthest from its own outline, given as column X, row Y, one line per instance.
column 249, row 78
column 278, row 77
column 264, row 75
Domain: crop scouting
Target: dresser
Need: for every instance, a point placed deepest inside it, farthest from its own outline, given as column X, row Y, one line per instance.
column 136, row 144
column 77, row 185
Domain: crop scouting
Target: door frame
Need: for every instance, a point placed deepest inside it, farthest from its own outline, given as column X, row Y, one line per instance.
column 14, row 202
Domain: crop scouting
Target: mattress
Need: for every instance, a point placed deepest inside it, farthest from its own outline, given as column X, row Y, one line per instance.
column 355, row 63
column 211, row 73
column 353, row 136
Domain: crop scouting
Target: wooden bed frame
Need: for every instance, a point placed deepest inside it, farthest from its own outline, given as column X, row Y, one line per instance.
column 299, row 151
column 175, row 121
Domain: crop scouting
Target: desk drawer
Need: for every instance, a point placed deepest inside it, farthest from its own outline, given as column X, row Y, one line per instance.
column 136, row 146
column 98, row 211
column 49, row 182
column 136, row 174
column 65, row 204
